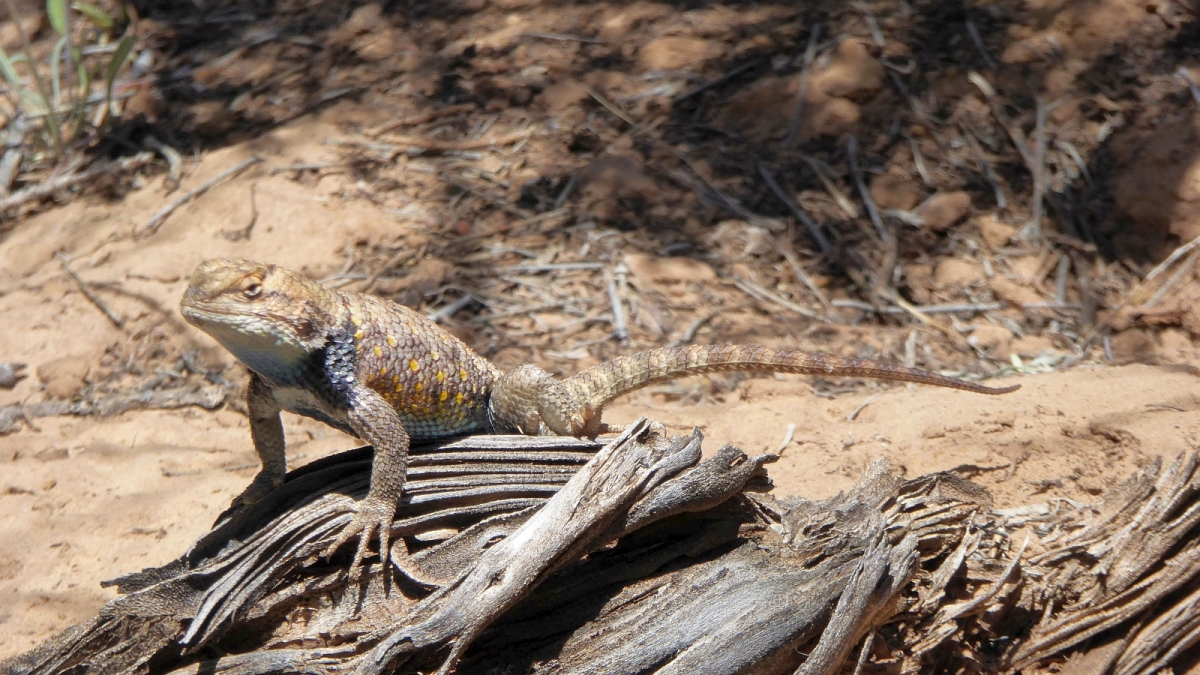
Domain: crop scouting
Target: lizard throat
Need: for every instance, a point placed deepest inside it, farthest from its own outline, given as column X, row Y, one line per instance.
column 271, row 353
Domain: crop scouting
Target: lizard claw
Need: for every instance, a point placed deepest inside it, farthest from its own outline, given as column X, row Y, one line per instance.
column 372, row 516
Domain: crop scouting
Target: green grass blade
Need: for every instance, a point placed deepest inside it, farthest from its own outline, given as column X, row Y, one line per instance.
column 55, row 70
column 114, row 65
column 98, row 16
column 57, row 11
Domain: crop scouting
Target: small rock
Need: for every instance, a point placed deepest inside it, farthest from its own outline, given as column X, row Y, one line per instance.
column 852, row 71
column 991, row 338
column 944, row 209
column 1032, row 346
column 10, row 374
column 64, row 378
column 676, row 53
column 895, row 191
column 1011, row 292
column 1025, row 269
column 1133, row 345
column 994, row 232
column 558, row 97
column 953, row 273
column 668, row 270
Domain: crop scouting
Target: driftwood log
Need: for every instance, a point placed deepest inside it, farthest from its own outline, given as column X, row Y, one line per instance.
column 552, row 555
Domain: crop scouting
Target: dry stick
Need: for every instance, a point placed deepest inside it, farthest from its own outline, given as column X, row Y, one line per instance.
column 916, row 313
column 852, row 156
column 825, row 174
column 452, row 146
column 978, row 40
column 1034, row 229
column 1183, row 73
column 1170, row 282
column 759, row 293
column 787, row 438
column 420, row 118
column 700, row 89
column 619, row 330
column 1060, row 281
column 174, row 160
column 689, row 335
column 800, row 274
column 809, row 224
column 304, row 167
column 562, row 37
column 872, row 24
column 810, row 54
column 851, row 416
column 244, row 233
column 158, row 219
column 918, row 160
column 91, row 297
column 54, row 185
column 988, row 173
column 1138, row 291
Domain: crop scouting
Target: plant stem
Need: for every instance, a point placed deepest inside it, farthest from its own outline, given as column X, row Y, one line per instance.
column 37, row 79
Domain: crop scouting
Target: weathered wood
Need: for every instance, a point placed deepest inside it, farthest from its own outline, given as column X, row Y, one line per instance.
column 550, row 555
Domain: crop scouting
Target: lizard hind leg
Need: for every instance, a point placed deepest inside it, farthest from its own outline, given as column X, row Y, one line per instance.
column 530, row 401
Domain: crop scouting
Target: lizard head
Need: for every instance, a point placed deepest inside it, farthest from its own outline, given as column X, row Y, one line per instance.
column 267, row 316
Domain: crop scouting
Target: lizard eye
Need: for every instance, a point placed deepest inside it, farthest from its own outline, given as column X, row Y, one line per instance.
column 252, row 291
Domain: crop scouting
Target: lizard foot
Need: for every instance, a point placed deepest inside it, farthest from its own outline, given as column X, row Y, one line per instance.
column 372, row 517
column 262, row 485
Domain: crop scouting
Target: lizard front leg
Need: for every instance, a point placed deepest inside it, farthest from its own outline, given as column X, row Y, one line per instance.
column 374, row 421
column 266, row 430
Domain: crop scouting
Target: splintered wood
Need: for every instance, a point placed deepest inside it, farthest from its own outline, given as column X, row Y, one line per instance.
column 538, row 555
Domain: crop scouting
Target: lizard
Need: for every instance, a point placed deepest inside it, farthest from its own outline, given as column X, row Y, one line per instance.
column 390, row 376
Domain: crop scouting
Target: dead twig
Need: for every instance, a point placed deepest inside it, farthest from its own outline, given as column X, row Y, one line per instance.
column 562, row 37
column 404, row 142
column 420, row 118
column 244, row 233
column 814, row 230
column 208, row 397
column 759, row 293
column 1136, row 293
column 700, row 89
column 872, row 24
column 689, row 335
column 978, row 40
column 810, row 54
column 154, row 223
column 91, row 297
column 620, row 332
column 787, row 438
column 853, row 415
column 174, row 161
column 800, row 274
column 1034, row 229
column 864, row 193
column 826, row 176
column 69, row 180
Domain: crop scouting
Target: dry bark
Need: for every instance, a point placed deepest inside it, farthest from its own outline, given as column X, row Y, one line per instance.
column 551, row 555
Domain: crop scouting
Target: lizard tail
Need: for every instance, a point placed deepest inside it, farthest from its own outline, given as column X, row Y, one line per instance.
column 602, row 383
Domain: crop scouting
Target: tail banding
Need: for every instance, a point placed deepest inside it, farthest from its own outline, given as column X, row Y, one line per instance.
column 602, row 383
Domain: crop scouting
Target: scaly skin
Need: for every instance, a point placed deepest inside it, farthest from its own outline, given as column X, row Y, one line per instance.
column 390, row 376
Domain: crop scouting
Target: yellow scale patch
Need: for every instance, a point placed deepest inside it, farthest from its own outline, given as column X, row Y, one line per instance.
column 458, row 398
column 441, row 376
column 391, row 341
column 420, row 386
column 378, row 350
column 442, row 396
column 412, row 364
